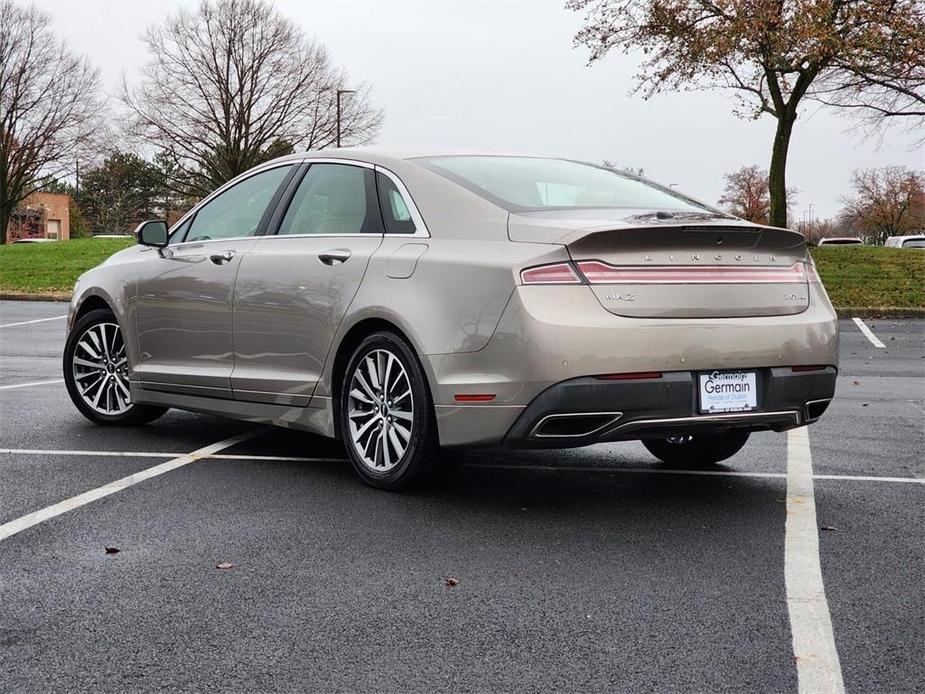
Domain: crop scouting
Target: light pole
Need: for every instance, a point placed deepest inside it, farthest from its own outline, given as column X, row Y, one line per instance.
column 339, row 92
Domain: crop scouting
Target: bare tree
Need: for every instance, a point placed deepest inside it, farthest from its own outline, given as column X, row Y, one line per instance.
column 747, row 194
column 819, row 229
column 889, row 201
column 49, row 106
column 235, row 83
column 772, row 53
column 883, row 86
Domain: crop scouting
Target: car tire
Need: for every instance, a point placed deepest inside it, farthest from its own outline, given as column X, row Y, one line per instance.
column 697, row 450
column 386, row 415
column 96, row 373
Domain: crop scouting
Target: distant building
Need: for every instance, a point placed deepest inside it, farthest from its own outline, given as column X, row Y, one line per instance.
column 41, row 216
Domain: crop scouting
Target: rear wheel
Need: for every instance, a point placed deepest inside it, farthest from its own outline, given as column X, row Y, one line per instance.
column 96, row 373
column 386, row 415
column 698, row 450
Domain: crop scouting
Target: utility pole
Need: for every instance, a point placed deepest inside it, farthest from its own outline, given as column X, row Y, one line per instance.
column 77, row 180
column 339, row 92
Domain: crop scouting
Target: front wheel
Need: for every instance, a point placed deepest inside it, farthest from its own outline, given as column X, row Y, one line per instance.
column 96, row 373
column 386, row 415
column 697, row 450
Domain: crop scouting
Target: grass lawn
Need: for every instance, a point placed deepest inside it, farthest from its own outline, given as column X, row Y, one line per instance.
column 871, row 277
column 34, row 268
column 855, row 277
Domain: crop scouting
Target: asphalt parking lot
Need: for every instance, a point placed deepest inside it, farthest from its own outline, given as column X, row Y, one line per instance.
column 596, row 569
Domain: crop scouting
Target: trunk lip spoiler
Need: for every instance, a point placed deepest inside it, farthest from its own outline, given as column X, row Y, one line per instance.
column 573, row 236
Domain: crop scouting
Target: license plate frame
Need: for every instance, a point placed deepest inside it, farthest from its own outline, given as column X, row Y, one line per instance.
column 723, row 392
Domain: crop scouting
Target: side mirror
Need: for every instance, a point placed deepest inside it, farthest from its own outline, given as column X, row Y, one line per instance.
column 152, row 233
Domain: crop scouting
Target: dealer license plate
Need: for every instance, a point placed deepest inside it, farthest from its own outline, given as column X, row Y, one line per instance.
column 728, row 391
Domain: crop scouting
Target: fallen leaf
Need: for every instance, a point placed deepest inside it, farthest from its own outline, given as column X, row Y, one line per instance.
column 451, row 582
column 224, row 565
column 855, row 383
column 828, row 528
column 112, row 550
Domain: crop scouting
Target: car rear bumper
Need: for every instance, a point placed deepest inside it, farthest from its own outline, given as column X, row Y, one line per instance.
column 551, row 341
column 586, row 410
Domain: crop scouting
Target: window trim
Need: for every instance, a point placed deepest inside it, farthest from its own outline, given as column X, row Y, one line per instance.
column 300, row 166
column 420, row 228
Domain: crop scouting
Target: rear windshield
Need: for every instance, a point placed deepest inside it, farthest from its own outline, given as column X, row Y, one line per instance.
column 532, row 183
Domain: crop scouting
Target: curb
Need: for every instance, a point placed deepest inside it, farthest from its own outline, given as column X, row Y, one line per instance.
column 47, row 296
column 879, row 312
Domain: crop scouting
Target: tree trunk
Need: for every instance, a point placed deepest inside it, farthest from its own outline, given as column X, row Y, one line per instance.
column 6, row 211
column 777, row 175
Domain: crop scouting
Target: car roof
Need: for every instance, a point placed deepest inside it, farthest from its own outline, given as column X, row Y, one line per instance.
column 387, row 155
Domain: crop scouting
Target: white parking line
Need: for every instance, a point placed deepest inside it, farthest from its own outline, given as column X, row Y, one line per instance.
column 544, row 468
column 29, row 322
column 95, row 454
column 694, row 473
column 33, row 383
column 814, row 651
column 18, row 525
column 868, row 333
column 154, row 454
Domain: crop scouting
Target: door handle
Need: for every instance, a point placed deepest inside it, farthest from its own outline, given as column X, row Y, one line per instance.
column 338, row 255
column 221, row 258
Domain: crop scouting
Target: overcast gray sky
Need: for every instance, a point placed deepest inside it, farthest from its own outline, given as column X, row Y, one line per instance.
column 502, row 74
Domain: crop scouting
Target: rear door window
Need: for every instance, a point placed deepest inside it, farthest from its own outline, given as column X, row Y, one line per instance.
column 333, row 199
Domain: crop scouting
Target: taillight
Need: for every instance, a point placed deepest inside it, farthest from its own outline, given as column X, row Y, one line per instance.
column 812, row 275
column 557, row 273
column 597, row 272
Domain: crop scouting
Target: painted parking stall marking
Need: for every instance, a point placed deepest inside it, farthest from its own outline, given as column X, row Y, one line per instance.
column 491, row 466
column 13, row 527
column 31, row 384
column 30, row 322
column 868, row 333
column 814, row 651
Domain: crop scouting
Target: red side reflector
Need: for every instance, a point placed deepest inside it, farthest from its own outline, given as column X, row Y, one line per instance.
column 474, row 397
column 638, row 376
column 597, row 272
column 808, row 368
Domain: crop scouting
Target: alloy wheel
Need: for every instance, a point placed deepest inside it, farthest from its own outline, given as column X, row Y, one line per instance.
column 381, row 410
column 100, row 369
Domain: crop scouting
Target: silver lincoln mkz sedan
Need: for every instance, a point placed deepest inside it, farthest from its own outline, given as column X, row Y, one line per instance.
column 402, row 303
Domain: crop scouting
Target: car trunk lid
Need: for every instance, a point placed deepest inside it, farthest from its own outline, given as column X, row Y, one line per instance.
column 651, row 264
